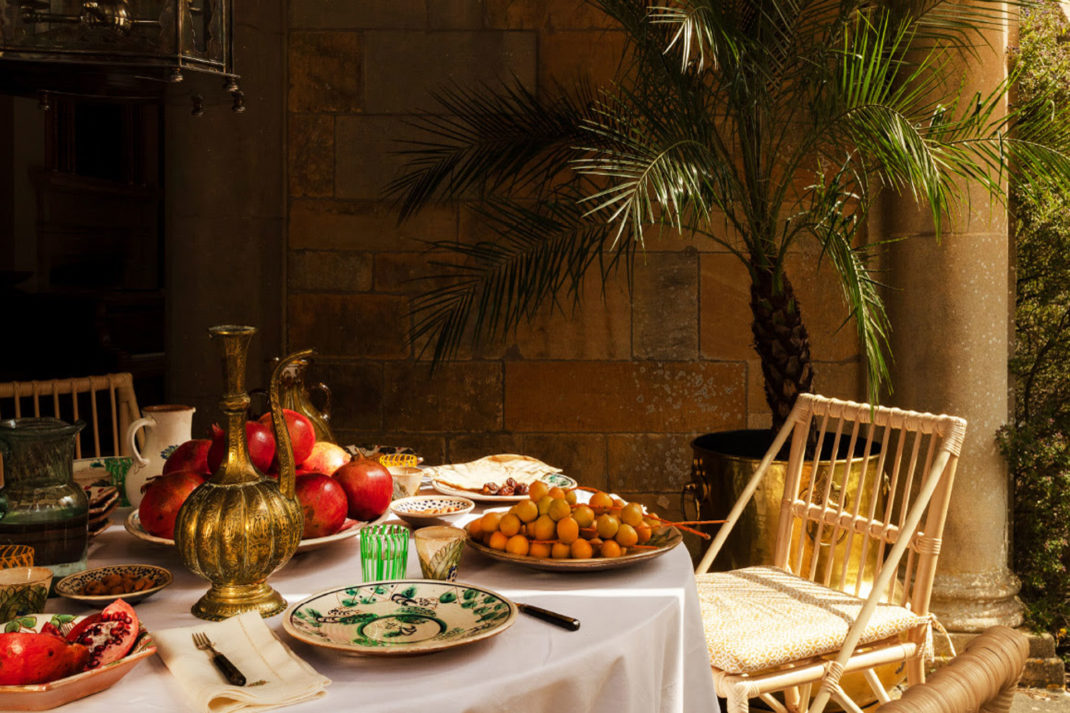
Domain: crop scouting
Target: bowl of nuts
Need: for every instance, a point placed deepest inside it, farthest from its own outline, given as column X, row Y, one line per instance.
column 132, row 582
column 420, row 510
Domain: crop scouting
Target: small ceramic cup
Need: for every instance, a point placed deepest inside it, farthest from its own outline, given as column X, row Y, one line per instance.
column 406, row 481
column 439, row 550
column 23, row 590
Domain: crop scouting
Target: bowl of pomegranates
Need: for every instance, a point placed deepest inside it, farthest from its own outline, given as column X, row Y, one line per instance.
column 100, row 585
column 335, row 505
column 47, row 660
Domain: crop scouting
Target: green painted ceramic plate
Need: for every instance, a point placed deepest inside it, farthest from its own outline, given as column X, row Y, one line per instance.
column 401, row 617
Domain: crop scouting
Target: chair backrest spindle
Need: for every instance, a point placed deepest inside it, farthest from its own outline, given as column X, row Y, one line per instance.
column 853, row 476
column 114, row 391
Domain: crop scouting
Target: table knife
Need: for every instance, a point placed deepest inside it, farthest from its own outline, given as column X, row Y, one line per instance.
column 565, row 622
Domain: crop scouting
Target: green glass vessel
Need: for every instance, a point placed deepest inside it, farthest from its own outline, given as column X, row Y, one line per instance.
column 40, row 504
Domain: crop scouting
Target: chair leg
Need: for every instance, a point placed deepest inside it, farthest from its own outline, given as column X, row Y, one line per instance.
column 737, row 701
column 916, row 669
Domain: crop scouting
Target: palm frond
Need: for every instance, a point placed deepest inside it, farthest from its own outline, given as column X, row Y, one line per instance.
column 545, row 252
column 485, row 139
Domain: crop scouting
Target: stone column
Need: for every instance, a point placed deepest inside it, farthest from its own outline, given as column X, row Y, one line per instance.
column 951, row 305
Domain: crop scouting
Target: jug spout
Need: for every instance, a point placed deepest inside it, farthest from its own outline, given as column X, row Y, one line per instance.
column 283, row 447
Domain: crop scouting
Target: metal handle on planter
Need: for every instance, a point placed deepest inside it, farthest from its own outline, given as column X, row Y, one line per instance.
column 696, row 492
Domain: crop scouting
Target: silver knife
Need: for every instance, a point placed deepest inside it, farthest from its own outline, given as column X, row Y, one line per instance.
column 565, row 622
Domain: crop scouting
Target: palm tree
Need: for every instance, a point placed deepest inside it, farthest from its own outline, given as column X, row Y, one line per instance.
column 755, row 124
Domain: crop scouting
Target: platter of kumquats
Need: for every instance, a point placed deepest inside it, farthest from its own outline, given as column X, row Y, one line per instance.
column 553, row 529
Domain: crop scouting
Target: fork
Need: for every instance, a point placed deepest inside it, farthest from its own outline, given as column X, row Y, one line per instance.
column 228, row 669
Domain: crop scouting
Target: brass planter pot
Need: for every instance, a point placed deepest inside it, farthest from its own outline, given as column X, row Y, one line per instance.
column 239, row 527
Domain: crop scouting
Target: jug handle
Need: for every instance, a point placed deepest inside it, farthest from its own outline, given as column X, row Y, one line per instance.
column 131, row 437
column 326, row 391
column 283, row 448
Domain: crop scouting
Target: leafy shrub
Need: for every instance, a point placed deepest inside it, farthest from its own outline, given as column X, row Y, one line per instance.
column 1037, row 444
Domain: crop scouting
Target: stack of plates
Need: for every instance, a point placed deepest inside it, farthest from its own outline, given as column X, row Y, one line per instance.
column 102, row 500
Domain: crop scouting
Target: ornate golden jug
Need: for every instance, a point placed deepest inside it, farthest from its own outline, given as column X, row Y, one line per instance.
column 296, row 396
column 240, row 526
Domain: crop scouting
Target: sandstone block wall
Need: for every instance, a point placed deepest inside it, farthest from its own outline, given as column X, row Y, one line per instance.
column 614, row 391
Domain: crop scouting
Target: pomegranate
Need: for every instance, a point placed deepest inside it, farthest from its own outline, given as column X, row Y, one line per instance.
column 191, row 455
column 109, row 635
column 326, row 457
column 261, row 442
column 323, row 503
column 27, row 657
column 163, row 498
column 368, row 485
column 302, row 435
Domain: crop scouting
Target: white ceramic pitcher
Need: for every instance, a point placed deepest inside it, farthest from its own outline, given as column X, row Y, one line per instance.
column 166, row 426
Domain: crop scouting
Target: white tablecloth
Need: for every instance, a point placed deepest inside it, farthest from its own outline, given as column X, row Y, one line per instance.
column 640, row 648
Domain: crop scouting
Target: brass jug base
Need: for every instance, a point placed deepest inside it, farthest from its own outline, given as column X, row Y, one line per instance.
column 224, row 601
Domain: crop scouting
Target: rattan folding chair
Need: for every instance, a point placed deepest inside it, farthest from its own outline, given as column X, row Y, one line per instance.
column 857, row 545
column 107, row 403
column 983, row 679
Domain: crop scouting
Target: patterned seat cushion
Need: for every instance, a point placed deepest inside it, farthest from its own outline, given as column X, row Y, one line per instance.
column 761, row 617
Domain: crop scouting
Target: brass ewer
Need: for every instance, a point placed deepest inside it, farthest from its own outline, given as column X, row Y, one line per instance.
column 240, row 526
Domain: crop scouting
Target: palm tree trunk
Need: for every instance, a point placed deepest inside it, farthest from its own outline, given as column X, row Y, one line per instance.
column 782, row 342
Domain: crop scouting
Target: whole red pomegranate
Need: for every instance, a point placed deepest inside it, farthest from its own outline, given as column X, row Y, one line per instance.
column 326, row 457
column 109, row 635
column 26, row 657
column 302, row 435
column 368, row 485
column 191, row 455
column 163, row 498
column 323, row 503
column 261, row 442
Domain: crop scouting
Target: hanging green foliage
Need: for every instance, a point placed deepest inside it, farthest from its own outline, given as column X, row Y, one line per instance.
column 1037, row 444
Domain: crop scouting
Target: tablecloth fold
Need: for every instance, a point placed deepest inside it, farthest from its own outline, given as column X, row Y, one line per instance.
column 276, row 676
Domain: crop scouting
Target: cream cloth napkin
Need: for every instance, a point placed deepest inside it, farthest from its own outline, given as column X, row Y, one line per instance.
column 276, row 676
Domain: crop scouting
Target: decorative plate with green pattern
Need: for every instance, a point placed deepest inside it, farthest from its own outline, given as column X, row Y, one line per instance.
column 399, row 617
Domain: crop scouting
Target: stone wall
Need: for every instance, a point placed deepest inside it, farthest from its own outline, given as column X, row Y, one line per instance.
column 614, row 391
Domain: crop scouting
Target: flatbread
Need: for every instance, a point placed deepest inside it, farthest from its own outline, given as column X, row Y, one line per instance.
column 491, row 469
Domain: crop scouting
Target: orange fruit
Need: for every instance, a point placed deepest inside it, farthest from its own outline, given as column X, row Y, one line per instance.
column 567, row 530
column 611, row 549
column 544, row 528
column 632, row 514
column 600, row 502
column 583, row 515
column 560, row 551
column 626, row 535
column 581, row 550
column 497, row 541
column 491, row 520
column 526, row 510
column 517, row 545
column 509, row 524
column 538, row 489
column 606, row 524
column 539, row 550
column 559, row 509
column 556, row 493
